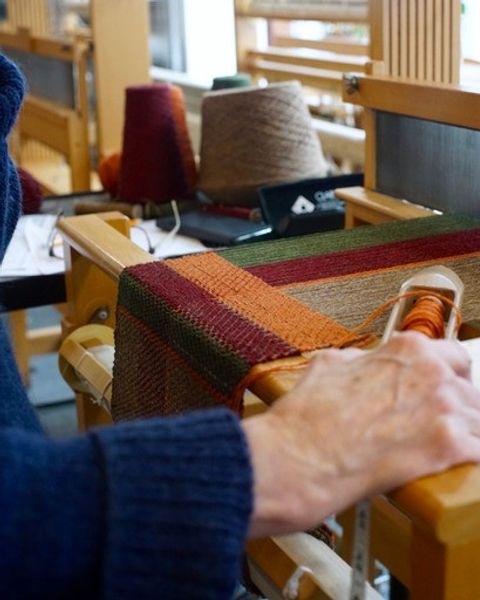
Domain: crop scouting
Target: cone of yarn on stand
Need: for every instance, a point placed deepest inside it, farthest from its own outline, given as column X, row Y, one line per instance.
column 256, row 136
column 157, row 163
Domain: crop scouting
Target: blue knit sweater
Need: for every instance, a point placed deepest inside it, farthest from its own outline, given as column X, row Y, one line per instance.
column 155, row 509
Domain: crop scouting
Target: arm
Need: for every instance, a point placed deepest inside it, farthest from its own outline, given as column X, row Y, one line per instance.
column 125, row 512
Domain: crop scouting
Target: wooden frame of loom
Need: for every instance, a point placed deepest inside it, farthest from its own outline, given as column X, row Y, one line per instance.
column 427, row 533
column 418, row 42
column 322, row 72
column 446, row 104
column 52, row 140
column 61, row 129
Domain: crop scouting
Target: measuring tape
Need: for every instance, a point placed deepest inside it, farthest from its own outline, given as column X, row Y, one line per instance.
column 360, row 558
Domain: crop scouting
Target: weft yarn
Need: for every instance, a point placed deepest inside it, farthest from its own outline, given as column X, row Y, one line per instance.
column 253, row 137
column 157, row 160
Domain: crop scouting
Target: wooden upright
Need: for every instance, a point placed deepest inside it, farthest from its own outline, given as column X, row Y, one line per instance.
column 411, row 41
column 417, row 39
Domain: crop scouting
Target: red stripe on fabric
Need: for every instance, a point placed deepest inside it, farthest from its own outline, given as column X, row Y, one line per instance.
column 236, row 333
column 362, row 260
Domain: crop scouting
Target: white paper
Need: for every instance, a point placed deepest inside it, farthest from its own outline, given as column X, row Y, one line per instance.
column 28, row 252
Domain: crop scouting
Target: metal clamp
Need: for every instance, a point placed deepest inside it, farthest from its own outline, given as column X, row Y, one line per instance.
column 351, row 83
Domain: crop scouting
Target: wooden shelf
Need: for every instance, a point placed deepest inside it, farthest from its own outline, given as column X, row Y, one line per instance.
column 334, row 10
column 316, row 78
column 304, row 57
column 368, row 207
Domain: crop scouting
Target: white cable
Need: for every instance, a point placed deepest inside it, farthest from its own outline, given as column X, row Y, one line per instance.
column 168, row 239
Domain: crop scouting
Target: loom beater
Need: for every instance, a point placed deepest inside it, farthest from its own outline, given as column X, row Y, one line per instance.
column 428, row 302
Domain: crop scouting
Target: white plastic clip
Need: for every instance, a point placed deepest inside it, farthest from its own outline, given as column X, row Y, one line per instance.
column 439, row 279
column 292, row 587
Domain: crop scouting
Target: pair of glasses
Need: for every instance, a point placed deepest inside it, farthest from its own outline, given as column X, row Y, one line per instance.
column 149, row 246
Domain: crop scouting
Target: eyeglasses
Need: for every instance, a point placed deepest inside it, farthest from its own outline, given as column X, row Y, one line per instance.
column 148, row 245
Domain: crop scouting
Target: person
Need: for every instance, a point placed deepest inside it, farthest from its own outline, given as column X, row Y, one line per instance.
column 162, row 508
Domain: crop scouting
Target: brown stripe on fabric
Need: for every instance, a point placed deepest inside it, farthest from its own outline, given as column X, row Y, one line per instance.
column 351, row 262
column 260, row 303
column 350, row 300
column 418, row 264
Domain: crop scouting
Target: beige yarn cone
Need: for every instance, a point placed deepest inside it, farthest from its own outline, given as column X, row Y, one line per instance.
column 256, row 136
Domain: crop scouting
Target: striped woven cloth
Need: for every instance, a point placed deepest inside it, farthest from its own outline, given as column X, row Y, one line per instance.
column 190, row 329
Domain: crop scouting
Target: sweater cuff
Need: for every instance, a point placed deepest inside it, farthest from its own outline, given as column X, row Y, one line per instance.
column 179, row 494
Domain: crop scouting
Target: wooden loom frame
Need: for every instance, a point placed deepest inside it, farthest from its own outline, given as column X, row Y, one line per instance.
column 61, row 128
column 427, row 533
column 443, row 103
column 119, row 61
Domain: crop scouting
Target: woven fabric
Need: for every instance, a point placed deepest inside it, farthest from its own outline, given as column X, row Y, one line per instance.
column 189, row 330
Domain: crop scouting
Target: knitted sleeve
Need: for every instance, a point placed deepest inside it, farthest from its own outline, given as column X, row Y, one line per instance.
column 155, row 509
column 12, row 89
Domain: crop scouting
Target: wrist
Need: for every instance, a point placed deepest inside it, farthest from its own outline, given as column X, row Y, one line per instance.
column 288, row 495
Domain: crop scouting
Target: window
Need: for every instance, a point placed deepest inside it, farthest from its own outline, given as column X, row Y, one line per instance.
column 470, row 22
column 194, row 37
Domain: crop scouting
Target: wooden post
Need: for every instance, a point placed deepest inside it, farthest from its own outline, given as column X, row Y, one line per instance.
column 120, row 30
column 417, row 39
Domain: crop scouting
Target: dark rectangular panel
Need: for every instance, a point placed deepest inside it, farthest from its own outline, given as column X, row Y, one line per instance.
column 429, row 163
column 48, row 78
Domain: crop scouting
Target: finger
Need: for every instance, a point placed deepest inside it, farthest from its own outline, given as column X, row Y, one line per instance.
column 464, row 391
column 414, row 346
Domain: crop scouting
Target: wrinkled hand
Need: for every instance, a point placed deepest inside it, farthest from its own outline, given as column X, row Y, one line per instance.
column 360, row 423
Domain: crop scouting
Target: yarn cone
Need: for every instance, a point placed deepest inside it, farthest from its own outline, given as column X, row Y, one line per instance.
column 157, row 160
column 253, row 137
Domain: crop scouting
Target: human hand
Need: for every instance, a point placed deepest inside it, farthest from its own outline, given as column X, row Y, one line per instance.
column 360, row 423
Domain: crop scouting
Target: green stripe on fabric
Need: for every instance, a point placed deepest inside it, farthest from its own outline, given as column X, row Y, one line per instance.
column 224, row 369
column 317, row 244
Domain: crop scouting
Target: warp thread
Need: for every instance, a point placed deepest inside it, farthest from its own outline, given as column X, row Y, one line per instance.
column 426, row 316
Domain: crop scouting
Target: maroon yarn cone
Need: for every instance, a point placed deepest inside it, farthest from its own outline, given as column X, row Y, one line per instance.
column 32, row 195
column 151, row 168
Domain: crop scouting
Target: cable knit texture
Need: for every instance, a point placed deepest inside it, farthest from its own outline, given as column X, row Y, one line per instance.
column 150, row 509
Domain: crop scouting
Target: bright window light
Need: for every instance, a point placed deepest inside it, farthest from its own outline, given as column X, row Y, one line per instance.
column 209, row 39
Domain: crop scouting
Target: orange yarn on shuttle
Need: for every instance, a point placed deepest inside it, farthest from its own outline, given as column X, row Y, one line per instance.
column 427, row 316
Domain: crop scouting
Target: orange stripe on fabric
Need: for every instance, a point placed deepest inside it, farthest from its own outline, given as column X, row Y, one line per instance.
column 423, row 263
column 259, row 302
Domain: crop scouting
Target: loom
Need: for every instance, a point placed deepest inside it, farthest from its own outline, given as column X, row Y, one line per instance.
column 98, row 253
